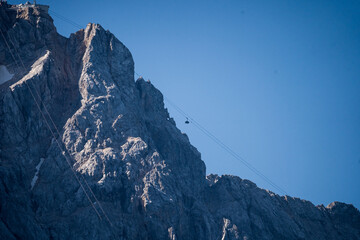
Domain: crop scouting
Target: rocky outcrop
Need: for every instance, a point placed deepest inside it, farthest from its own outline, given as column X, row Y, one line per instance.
column 101, row 134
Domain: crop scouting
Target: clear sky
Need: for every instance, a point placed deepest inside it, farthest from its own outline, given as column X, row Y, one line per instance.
column 277, row 81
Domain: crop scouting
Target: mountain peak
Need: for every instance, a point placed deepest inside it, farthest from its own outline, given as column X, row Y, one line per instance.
column 88, row 152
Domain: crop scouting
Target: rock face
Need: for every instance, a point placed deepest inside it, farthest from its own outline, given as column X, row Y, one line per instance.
column 110, row 163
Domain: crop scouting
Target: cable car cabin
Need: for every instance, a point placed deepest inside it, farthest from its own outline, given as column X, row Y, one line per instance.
column 187, row 121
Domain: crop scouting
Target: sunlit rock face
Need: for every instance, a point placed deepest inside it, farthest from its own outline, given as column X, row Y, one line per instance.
column 119, row 140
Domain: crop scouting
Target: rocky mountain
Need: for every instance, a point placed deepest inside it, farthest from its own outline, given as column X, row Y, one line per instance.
column 87, row 152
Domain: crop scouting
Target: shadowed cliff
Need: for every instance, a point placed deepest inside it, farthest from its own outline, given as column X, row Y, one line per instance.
column 75, row 125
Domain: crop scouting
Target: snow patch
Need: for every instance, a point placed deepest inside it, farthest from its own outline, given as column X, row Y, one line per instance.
column 36, row 68
column 4, row 74
column 36, row 176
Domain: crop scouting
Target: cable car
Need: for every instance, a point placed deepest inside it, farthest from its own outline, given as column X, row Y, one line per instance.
column 187, row 121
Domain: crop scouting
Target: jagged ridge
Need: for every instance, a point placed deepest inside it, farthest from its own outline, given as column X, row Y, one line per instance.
column 148, row 177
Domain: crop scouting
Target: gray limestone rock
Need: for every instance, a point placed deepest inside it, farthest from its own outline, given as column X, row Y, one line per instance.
column 102, row 158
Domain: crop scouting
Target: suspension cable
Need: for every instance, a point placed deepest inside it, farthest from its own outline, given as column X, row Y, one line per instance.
column 50, row 129
column 204, row 130
column 224, row 146
column 58, row 132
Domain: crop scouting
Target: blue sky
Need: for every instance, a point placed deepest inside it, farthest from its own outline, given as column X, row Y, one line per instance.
column 277, row 81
